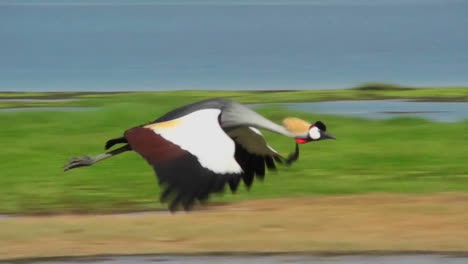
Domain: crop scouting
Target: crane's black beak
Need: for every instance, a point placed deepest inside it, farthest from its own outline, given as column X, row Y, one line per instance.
column 325, row 135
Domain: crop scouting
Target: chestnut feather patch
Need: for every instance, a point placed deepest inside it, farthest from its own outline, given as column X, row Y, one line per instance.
column 296, row 126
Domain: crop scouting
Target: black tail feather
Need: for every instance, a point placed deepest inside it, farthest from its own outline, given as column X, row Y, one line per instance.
column 114, row 141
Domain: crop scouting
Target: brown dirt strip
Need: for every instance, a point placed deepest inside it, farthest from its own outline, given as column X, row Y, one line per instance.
column 339, row 224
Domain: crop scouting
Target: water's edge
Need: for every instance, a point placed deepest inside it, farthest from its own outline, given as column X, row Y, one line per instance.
column 330, row 257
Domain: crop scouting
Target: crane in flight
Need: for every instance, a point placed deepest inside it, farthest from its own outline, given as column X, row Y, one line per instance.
column 197, row 149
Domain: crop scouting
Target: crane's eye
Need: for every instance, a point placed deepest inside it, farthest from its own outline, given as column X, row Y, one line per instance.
column 314, row 133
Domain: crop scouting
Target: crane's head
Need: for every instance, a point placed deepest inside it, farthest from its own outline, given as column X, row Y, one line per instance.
column 305, row 132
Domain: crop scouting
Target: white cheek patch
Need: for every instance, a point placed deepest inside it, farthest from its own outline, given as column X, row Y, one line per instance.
column 314, row 133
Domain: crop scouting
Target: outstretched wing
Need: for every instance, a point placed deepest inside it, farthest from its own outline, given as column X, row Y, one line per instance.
column 253, row 153
column 191, row 155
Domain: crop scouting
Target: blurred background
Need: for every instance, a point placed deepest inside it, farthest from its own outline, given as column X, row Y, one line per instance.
column 389, row 78
column 123, row 45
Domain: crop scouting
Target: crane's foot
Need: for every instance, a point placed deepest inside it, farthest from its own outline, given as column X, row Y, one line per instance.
column 79, row 162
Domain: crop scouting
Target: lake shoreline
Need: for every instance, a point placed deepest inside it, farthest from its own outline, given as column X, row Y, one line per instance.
column 229, row 255
column 381, row 91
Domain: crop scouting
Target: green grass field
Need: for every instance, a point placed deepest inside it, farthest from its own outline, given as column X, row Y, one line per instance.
column 402, row 155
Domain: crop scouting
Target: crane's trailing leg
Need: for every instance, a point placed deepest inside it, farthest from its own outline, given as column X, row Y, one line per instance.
column 88, row 160
column 293, row 156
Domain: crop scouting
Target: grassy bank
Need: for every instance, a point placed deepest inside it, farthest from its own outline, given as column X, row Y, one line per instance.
column 400, row 155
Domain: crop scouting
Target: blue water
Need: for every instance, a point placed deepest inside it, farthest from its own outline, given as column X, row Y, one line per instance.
column 103, row 45
column 385, row 109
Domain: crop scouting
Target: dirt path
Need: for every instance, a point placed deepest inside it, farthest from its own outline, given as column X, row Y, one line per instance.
column 364, row 223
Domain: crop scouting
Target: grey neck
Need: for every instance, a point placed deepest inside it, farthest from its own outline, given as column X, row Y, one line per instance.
column 239, row 115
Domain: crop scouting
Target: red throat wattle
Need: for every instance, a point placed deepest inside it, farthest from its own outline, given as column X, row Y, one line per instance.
column 301, row 140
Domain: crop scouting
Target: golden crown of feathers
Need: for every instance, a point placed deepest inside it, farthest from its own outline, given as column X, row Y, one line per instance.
column 296, row 125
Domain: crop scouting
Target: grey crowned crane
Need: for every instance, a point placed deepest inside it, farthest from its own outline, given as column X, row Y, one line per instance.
column 197, row 149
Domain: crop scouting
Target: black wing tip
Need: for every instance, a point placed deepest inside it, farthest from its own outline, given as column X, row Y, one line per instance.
column 270, row 163
column 234, row 184
column 186, row 197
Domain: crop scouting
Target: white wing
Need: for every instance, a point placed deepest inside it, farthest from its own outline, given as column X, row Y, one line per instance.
column 200, row 134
